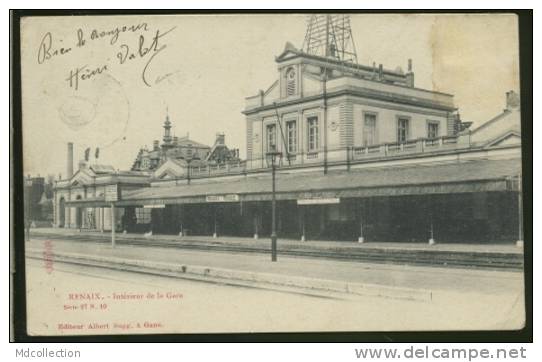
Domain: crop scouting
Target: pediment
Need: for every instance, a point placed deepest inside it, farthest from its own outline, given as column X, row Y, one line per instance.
column 289, row 52
column 169, row 169
column 167, row 175
column 81, row 177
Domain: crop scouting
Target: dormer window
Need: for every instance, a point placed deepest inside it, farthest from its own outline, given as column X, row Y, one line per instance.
column 290, row 82
column 145, row 163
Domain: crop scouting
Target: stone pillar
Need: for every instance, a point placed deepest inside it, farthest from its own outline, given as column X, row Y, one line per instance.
column 361, row 239
column 67, row 216
column 256, row 225
column 302, row 220
column 106, row 218
column 73, row 217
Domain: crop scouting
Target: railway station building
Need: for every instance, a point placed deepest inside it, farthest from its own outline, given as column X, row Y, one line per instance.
column 365, row 156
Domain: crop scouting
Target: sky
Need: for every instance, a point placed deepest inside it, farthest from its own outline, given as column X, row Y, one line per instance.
column 203, row 67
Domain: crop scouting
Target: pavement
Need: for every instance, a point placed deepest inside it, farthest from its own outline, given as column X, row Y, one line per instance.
column 220, row 308
column 393, row 281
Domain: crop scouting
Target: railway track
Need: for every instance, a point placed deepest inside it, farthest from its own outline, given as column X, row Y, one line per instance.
column 437, row 258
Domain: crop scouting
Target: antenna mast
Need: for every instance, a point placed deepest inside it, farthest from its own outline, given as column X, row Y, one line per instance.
column 330, row 36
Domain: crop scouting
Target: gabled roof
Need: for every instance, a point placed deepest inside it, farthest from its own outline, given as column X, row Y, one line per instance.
column 170, row 167
column 101, row 169
column 216, row 146
column 185, row 141
column 290, row 51
column 82, row 176
column 505, row 113
column 510, row 137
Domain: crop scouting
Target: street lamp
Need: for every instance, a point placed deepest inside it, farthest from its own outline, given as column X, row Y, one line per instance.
column 272, row 158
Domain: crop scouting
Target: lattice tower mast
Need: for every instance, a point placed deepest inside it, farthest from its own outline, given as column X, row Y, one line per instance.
column 330, row 36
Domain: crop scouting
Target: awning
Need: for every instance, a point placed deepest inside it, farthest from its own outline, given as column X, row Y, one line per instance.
column 420, row 179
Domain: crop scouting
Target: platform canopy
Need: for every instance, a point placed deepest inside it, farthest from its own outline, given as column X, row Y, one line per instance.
column 420, row 179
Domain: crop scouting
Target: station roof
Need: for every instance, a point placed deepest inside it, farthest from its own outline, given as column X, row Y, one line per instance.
column 421, row 179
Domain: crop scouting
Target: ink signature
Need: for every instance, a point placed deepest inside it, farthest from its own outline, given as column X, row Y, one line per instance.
column 144, row 50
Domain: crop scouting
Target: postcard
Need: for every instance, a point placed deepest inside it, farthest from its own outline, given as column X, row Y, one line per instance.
column 256, row 173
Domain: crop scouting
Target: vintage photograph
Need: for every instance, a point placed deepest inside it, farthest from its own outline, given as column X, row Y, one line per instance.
column 257, row 173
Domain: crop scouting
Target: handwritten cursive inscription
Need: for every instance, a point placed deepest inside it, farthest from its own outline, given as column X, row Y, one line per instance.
column 130, row 49
column 144, row 50
column 46, row 50
column 113, row 34
column 83, row 73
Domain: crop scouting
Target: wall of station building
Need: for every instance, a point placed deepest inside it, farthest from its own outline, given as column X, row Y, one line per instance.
column 98, row 218
column 386, row 122
column 345, row 124
column 479, row 217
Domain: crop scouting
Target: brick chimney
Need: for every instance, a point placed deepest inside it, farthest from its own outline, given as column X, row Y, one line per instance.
column 512, row 100
column 69, row 167
column 220, row 139
column 410, row 75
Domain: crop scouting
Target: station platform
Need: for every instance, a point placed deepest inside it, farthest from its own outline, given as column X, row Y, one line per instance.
column 488, row 256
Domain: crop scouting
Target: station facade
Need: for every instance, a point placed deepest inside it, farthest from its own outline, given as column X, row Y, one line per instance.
column 366, row 156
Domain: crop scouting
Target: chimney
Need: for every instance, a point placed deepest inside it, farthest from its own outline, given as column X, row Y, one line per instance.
column 261, row 93
column 512, row 100
column 410, row 75
column 156, row 145
column 380, row 72
column 69, row 168
column 220, row 139
column 82, row 164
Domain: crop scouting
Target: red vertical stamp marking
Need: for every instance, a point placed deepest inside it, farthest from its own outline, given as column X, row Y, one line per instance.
column 48, row 256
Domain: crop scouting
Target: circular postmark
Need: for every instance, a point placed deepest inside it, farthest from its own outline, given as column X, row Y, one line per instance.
column 97, row 113
column 76, row 112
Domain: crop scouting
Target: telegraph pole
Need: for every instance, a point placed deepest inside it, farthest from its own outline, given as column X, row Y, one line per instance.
column 112, row 224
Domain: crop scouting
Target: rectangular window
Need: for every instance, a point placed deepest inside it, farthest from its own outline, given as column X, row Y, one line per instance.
column 433, row 130
column 271, row 137
column 312, row 127
column 143, row 216
column 369, row 130
column 402, row 130
column 291, row 133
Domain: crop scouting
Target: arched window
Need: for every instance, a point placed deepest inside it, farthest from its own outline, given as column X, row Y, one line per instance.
column 290, row 82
